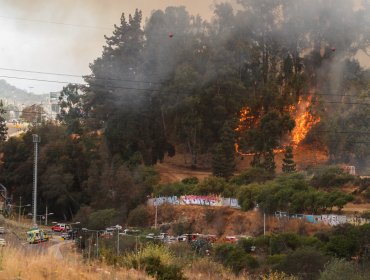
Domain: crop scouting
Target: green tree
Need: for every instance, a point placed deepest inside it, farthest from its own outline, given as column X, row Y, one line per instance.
column 223, row 164
column 71, row 108
column 3, row 127
column 289, row 165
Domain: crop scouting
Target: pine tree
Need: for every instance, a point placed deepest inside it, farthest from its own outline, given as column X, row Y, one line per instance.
column 223, row 163
column 3, row 128
column 289, row 165
column 269, row 161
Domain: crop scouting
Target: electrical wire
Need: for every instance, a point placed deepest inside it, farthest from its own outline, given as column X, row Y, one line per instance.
column 73, row 75
column 81, row 84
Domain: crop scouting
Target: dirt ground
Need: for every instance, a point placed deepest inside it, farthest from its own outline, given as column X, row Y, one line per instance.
column 176, row 168
column 223, row 221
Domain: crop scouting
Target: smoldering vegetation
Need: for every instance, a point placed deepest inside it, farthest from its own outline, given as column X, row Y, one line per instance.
column 186, row 79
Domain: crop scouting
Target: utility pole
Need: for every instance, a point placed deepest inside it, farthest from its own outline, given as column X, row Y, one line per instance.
column 117, row 241
column 20, row 207
column 36, row 141
column 264, row 223
column 97, row 244
column 156, row 214
column 46, row 216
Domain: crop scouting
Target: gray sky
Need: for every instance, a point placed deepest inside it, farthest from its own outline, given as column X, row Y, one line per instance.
column 28, row 42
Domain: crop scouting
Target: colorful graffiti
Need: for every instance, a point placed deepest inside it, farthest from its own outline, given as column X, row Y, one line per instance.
column 207, row 200
column 331, row 219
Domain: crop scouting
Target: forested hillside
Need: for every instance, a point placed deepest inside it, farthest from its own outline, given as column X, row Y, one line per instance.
column 257, row 79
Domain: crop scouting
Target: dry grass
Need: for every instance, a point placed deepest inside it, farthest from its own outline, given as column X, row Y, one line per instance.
column 205, row 269
column 15, row 265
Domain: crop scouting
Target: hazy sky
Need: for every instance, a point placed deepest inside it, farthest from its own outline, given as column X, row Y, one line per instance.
column 30, row 39
column 28, row 42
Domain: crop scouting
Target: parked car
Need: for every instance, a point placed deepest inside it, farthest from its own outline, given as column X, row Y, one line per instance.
column 2, row 242
column 2, row 230
column 130, row 231
column 60, row 227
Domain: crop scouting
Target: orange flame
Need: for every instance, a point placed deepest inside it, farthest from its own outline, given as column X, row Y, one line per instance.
column 304, row 121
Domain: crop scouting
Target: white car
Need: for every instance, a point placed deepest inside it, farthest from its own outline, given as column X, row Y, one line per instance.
column 2, row 230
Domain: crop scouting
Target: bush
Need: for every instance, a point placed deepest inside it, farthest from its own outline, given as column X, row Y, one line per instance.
column 342, row 270
column 304, row 262
column 235, row 258
column 275, row 259
column 341, row 246
column 331, row 176
column 155, row 268
column 215, row 185
column 252, row 175
column 139, row 217
column 190, row 181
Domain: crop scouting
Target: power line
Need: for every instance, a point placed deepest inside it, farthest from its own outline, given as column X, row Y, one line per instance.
column 69, row 82
column 73, row 75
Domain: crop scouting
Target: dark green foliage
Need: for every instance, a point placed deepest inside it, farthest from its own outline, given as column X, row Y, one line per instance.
column 332, row 176
column 304, row 262
column 289, row 165
column 3, row 128
column 155, row 268
column 139, row 217
column 265, row 138
column 102, row 219
column 71, row 108
column 223, row 163
column 290, row 193
column 190, row 181
column 252, row 175
column 235, row 258
column 209, row 186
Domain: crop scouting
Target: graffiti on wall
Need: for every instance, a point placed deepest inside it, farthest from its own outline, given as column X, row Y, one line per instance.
column 202, row 200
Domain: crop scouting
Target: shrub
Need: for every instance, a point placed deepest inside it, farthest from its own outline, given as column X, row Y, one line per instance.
column 235, row 258
column 139, row 217
column 155, row 268
column 275, row 259
column 190, row 181
column 331, row 176
column 304, row 262
column 341, row 246
column 246, row 244
column 342, row 270
column 252, row 175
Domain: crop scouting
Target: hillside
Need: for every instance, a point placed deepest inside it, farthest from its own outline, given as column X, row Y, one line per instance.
column 222, row 221
column 176, row 168
column 15, row 95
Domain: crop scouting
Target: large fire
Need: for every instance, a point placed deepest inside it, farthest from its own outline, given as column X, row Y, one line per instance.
column 304, row 120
